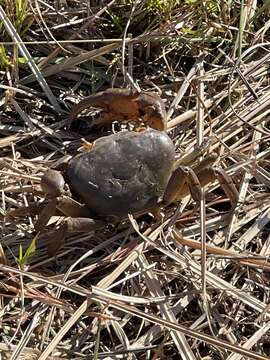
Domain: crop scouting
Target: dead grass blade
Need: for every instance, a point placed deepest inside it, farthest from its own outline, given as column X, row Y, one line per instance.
column 25, row 53
column 74, row 61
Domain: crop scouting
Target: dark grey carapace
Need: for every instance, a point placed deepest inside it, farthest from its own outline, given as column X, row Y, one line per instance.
column 123, row 173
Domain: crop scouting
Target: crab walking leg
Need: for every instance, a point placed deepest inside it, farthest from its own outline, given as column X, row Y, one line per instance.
column 70, row 225
column 182, row 182
column 227, row 185
column 33, row 209
column 45, row 215
column 185, row 180
column 209, row 175
column 83, row 224
column 66, row 205
column 71, row 207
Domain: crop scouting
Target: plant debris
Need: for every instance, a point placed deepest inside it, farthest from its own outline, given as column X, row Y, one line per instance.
column 193, row 284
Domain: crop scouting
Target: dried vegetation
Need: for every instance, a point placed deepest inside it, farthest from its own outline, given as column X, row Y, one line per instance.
column 194, row 286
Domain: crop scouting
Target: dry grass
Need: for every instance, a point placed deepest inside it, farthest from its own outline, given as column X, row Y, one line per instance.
column 194, row 286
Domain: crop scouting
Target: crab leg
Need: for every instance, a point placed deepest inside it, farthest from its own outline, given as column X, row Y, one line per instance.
column 83, row 224
column 45, row 215
column 185, row 180
column 227, row 185
column 70, row 225
column 69, row 207
column 33, row 209
column 182, row 182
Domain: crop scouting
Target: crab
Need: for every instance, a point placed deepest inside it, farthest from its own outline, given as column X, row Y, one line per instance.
column 120, row 174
